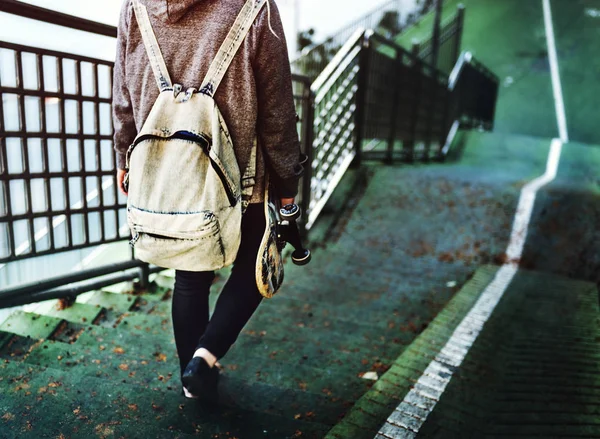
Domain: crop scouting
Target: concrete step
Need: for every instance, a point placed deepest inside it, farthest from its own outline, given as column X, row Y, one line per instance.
column 31, row 324
column 76, row 313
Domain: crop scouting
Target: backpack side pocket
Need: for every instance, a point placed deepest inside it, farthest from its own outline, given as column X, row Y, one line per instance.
column 183, row 241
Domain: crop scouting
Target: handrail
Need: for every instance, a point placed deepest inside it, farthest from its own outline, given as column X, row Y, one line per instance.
column 467, row 58
column 26, row 10
column 464, row 58
column 415, row 58
column 337, row 59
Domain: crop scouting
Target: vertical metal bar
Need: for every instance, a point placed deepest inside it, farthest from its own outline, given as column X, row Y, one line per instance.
column 460, row 20
column 81, row 145
column 44, row 146
column 98, row 159
column 397, row 63
column 415, row 48
column 446, row 121
column 65, row 158
column 436, row 33
column 361, row 96
column 309, row 121
column 5, row 180
column 432, row 104
column 24, row 152
column 144, row 273
column 409, row 149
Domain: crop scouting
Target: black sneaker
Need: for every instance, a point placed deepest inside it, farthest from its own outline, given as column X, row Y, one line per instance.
column 201, row 380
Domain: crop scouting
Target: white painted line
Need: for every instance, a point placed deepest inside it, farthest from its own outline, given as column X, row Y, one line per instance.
column 427, row 391
column 559, row 104
column 433, row 382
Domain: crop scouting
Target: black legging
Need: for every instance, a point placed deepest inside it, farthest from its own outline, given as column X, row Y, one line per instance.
column 236, row 304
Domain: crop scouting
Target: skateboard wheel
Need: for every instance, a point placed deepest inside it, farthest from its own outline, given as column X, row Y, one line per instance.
column 301, row 257
column 289, row 212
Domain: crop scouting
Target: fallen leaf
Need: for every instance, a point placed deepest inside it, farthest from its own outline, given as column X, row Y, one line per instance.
column 370, row 376
column 8, row 417
column 119, row 350
column 123, row 366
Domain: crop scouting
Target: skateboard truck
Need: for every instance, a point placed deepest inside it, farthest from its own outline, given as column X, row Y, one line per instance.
column 289, row 233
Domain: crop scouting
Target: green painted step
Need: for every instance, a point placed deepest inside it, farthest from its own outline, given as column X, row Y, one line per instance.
column 77, row 313
column 112, row 301
column 86, row 407
column 15, row 347
column 30, row 324
column 5, row 337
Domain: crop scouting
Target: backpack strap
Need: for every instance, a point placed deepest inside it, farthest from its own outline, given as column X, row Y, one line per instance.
column 161, row 74
column 230, row 46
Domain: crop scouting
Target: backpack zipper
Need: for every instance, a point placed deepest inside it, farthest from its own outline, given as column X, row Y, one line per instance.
column 205, row 144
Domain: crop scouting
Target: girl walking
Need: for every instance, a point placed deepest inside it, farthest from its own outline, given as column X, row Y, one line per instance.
column 256, row 101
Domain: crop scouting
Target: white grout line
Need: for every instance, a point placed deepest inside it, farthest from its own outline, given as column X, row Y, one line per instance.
column 410, row 415
column 556, row 87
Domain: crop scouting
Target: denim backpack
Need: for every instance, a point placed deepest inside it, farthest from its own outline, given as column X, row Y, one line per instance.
column 186, row 193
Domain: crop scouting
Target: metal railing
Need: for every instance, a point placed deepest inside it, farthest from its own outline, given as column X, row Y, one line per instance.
column 475, row 92
column 335, row 123
column 449, row 43
column 58, row 188
column 387, row 19
column 417, row 117
column 374, row 100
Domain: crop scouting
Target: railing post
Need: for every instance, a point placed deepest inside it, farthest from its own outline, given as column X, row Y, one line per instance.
column 144, row 281
column 435, row 41
column 308, row 133
column 395, row 103
column 460, row 20
column 361, row 97
column 409, row 146
column 415, row 47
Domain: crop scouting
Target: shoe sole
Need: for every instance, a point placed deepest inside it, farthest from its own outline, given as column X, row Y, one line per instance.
column 194, row 384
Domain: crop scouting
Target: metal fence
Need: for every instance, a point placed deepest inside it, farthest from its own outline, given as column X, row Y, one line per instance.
column 449, row 44
column 58, row 192
column 335, row 123
column 58, row 188
column 416, row 116
column 388, row 19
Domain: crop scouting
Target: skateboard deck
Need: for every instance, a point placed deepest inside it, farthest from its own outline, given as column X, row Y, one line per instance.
column 269, row 262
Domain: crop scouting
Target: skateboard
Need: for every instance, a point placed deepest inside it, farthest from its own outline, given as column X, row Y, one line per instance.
column 280, row 228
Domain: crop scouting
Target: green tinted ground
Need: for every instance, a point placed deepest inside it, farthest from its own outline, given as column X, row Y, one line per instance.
column 577, row 29
column 533, row 370
column 405, row 244
column 566, row 217
column 508, row 37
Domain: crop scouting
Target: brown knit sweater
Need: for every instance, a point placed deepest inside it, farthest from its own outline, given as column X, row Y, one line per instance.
column 255, row 96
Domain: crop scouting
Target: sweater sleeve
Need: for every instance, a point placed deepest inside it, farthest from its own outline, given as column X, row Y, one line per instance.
column 123, row 120
column 276, row 125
